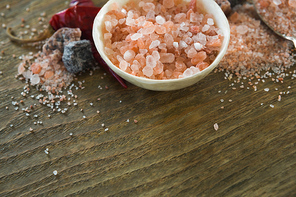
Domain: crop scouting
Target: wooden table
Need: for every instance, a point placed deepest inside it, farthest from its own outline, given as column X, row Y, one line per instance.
column 173, row 150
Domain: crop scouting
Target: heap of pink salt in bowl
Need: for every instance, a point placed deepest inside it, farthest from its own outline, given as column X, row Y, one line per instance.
column 164, row 39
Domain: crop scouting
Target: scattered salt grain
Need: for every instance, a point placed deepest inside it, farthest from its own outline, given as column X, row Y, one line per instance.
column 266, row 89
column 216, row 127
column 55, row 172
column 272, row 106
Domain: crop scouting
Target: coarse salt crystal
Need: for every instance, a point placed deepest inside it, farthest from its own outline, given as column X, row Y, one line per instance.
column 123, row 65
column 108, row 26
column 198, row 46
column 148, row 71
column 150, row 61
column 188, row 72
column 156, row 55
column 205, row 28
column 176, row 45
column 136, row 36
column 129, row 55
column 277, row 2
column 168, row 3
column 160, row 20
column 154, row 44
column 55, row 172
column 210, row 21
column 183, row 44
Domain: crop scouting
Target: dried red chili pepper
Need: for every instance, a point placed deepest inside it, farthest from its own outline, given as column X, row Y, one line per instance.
column 82, row 3
column 77, row 16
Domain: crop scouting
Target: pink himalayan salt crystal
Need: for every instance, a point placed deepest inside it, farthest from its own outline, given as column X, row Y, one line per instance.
column 180, row 66
column 201, row 38
column 148, row 6
column 188, row 72
column 148, row 30
column 123, row 65
column 143, row 51
column 109, row 51
column 277, row 2
column 183, row 44
column 168, row 73
column 210, row 21
column 136, row 66
column 160, row 20
column 162, row 46
column 154, row 36
column 129, row 55
column 168, row 3
column 176, row 45
column 148, row 71
column 35, row 79
column 191, row 53
column 168, row 39
column 205, row 28
column 184, row 27
column 167, row 57
column 156, row 55
column 108, row 26
column 150, row 15
column 160, row 29
column 121, row 21
column 154, row 44
column 136, row 36
column 199, row 57
column 150, row 61
column 242, row 29
column 21, row 68
column 188, row 40
column 107, row 36
column 292, row 3
column 158, row 69
column 198, row 46
column 179, row 18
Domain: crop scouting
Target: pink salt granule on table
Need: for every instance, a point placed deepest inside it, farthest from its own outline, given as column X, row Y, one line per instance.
column 163, row 39
column 46, row 69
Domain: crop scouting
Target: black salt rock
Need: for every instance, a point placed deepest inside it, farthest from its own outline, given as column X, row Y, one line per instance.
column 78, row 56
column 61, row 38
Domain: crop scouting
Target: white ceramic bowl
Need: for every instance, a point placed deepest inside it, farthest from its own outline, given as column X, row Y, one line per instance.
column 210, row 6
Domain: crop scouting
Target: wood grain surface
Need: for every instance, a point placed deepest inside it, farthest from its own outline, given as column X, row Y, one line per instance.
column 173, row 150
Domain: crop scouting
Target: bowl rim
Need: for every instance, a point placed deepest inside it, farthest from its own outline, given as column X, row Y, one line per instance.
column 226, row 38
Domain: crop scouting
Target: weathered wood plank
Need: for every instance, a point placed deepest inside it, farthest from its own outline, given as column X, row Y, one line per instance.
column 173, row 150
